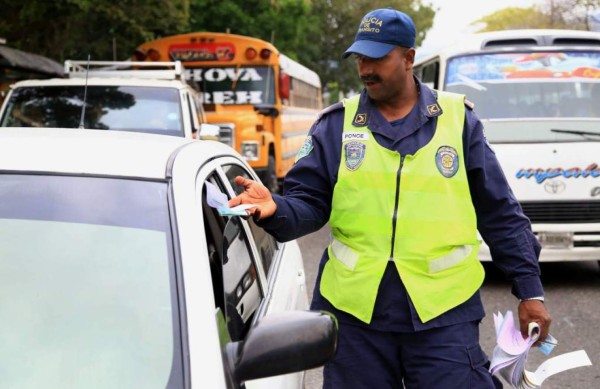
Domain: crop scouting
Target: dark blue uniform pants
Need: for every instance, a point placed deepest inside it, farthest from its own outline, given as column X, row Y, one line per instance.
column 446, row 358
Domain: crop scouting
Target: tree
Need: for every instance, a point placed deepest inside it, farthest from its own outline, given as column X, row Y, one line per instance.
column 513, row 18
column 72, row 29
column 315, row 33
column 559, row 14
column 285, row 23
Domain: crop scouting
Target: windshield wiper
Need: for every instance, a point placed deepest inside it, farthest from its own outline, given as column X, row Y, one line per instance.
column 471, row 83
column 584, row 134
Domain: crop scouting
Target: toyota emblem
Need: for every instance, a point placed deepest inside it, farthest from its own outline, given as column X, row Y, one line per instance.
column 554, row 186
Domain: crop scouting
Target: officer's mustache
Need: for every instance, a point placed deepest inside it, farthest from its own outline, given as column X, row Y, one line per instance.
column 370, row 78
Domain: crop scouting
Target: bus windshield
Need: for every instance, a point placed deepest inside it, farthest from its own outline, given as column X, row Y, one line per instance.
column 521, row 85
column 235, row 84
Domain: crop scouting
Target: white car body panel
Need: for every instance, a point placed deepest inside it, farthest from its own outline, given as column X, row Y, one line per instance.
column 187, row 162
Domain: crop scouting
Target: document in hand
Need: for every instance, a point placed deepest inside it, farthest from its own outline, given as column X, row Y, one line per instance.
column 510, row 353
column 217, row 199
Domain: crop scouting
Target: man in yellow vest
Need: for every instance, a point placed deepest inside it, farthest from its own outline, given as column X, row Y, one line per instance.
column 405, row 178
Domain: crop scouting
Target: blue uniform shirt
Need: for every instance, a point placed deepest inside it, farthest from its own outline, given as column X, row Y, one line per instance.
column 308, row 190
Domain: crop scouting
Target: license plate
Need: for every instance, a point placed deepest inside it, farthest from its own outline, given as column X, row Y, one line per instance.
column 556, row 240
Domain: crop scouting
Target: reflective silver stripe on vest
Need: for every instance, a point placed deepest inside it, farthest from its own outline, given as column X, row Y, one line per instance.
column 344, row 253
column 349, row 258
column 447, row 261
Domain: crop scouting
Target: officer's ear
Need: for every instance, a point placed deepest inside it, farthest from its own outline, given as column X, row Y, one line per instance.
column 409, row 55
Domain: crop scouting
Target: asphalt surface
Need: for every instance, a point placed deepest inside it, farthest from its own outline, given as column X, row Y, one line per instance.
column 572, row 297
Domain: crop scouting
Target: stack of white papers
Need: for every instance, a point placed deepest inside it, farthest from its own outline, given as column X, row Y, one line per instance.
column 510, row 354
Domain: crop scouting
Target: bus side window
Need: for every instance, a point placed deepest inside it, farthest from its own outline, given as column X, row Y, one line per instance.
column 429, row 74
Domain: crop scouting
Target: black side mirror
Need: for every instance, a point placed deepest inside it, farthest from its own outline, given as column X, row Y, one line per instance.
column 283, row 343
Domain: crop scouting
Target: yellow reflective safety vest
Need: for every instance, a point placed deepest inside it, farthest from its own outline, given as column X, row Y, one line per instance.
column 415, row 210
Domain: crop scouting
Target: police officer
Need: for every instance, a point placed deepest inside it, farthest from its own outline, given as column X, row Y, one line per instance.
column 405, row 177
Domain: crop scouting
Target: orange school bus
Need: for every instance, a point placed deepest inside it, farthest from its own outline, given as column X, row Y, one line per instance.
column 263, row 102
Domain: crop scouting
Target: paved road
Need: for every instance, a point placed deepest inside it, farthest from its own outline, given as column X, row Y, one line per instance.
column 572, row 296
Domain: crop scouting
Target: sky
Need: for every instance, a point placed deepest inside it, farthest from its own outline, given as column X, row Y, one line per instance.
column 453, row 18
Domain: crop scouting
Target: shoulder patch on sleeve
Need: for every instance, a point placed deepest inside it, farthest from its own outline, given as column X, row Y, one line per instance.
column 305, row 149
column 331, row 108
column 469, row 104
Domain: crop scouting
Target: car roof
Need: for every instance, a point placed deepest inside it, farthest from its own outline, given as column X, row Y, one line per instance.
column 97, row 152
column 110, row 81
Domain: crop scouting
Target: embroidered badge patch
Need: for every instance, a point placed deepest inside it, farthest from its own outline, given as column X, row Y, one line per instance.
column 446, row 160
column 360, row 119
column 305, row 149
column 355, row 154
column 433, row 109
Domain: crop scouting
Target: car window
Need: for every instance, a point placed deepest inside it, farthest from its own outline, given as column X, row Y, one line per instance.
column 192, row 112
column 147, row 109
column 88, row 284
column 199, row 107
column 236, row 287
column 266, row 244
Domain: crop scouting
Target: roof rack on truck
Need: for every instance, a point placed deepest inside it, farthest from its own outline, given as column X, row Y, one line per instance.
column 150, row 70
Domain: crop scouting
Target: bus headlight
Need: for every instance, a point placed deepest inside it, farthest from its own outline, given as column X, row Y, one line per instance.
column 249, row 151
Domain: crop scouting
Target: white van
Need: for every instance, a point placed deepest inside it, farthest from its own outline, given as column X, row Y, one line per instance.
column 537, row 93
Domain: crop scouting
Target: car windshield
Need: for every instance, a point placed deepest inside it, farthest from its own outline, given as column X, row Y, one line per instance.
column 119, row 108
column 88, row 288
column 560, row 88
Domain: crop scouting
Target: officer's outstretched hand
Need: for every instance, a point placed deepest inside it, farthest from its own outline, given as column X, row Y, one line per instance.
column 534, row 311
column 257, row 194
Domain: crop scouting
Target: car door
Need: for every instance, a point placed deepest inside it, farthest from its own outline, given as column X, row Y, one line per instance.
column 263, row 276
column 282, row 262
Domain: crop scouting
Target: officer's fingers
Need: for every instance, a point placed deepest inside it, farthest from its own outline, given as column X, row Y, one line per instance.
column 237, row 200
column 241, row 181
column 534, row 311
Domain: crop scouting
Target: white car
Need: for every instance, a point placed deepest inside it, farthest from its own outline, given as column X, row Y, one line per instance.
column 149, row 97
column 117, row 273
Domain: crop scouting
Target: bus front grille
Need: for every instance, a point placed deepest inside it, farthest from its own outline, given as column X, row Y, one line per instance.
column 562, row 211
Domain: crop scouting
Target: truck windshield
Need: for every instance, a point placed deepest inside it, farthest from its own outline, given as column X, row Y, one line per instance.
column 529, row 84
column 119, row 108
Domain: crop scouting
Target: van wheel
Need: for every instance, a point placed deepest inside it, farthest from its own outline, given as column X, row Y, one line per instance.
column 270, row 177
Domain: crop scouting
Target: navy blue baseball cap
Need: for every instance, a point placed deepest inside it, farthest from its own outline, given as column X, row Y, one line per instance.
column 382, row 30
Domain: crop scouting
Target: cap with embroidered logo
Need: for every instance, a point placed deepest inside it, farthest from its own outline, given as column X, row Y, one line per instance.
column 382, row 30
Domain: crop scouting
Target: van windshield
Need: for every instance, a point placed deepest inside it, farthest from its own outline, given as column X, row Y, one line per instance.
column 119, row 108
column 521, row 85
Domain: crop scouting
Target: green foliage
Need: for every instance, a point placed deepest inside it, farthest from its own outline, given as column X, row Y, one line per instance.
column 72, row 29
column 514, row 18
column 314, row 32
column 285, row 23
column 559, row 14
